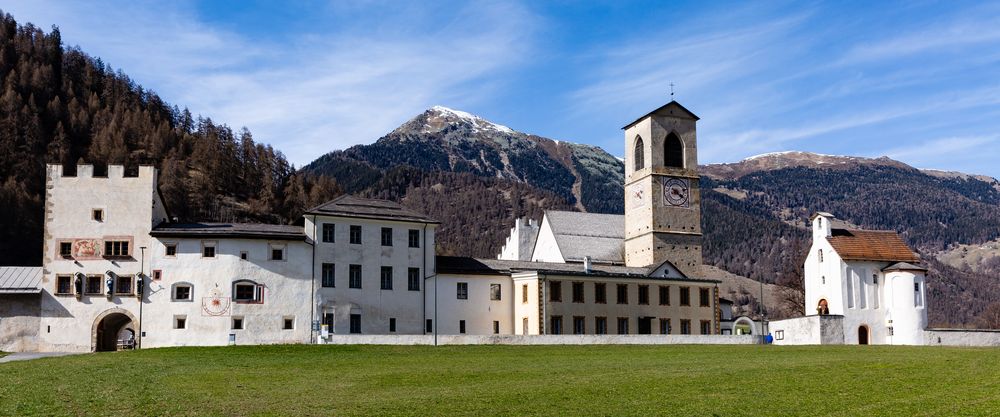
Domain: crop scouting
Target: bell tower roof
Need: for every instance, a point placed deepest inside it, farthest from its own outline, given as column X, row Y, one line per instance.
column 671, row 109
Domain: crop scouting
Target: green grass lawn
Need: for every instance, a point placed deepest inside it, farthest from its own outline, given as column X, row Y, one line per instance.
column 508, row 380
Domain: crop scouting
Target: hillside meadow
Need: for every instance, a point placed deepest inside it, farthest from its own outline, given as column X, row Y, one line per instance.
column 508, row 380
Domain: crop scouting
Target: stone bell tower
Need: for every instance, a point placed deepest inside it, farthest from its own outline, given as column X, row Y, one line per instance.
column 662, row 192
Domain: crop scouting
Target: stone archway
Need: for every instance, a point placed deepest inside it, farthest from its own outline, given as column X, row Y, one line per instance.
column 864, row 335
column 743, row 325
column 823, row 308
column 109, row 326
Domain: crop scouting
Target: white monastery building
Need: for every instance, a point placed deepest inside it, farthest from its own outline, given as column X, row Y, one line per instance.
column 117, row 273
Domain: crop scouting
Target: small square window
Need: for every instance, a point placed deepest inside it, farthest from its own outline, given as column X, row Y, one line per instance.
column 180, row 322
column 289, row 323
column 157, row 274
column 237, row 323
column 66, row 249
column 277, row 252
column 244, row 255
column 97, row 215
column 182, row 293
column 208, row 249
column 171, row 249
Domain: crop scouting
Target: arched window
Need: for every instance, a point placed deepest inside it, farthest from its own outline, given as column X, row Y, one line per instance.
column 821, row 255
column 673, row 152
column 639, row 157
column 823, row 307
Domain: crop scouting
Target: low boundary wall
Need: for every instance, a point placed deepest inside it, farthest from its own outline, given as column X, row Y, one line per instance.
column 358, row 339
column 961, row 337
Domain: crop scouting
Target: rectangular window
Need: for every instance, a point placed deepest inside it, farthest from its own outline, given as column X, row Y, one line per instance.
column 288, row 323
column 875, row 292
column 556, row 325
column 356, row 235
column 170, row 249
column 94, row 284
column 496, row 327
column 329, row 229
column 600, row 293
column 600, row 325
column 780, row 334
column 123, row 285
column 664, row 295
column 918, row 299
column 462, row 290
column 244, row 255
column 182, row 293
column 644, row 294
column 386, row 236
column 66, row 249
column 386, row 277
column 157, row 274
column 685, row 296
column 329, row 275
column 664, row 326
column 354, row 276
column 623, row 325
column 116, row 249
column 524, row 293
column 461, row 326
column 862, row 290
column 237, row 323
column 277, row 252
column 577, row 292
column 429, row 326
column 524, row 325
column 392, row 325
column 704, row 297
column 495, row 292
column 413, row 279
column 248, row 292
column 579, row 325
column 555, row 291
column 207, row 249
column 64, row 284
column 685, row 326
column 414, row 238
column 355, row 323
column 622, row 293
column 97, row 215
column 328, row 321
column 706, row 327
column 180, row 322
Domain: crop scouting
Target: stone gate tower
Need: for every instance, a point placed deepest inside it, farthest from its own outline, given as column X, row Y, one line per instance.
column 662, row 193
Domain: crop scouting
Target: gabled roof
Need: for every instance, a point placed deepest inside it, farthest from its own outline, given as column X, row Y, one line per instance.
column 903, row 266
column 20, row 279
column 369, row 208
column 666, row 110
column 478, row 266
column 871, row 245
column 579, row 235
column 230, row 230
column 667, row 267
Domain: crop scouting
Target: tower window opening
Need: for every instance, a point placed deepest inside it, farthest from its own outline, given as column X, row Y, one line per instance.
column 673, row 152
column 639, row 156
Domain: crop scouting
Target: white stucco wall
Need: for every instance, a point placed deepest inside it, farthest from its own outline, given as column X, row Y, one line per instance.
column 526, row 309
column 19, row 319
column 478, row 311
column 961, row 337
column 546, row 249
column 543, row 340
column 808, row 330
column 287, row 293
column 375, row 305
column 521, row 241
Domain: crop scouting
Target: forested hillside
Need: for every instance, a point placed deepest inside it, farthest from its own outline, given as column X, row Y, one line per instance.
column 59, row 105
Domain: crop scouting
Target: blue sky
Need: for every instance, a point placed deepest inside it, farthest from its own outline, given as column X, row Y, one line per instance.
column 917, row 81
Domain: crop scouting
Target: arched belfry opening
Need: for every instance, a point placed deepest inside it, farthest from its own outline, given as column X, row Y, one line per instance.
column 673, row 151
column 639, row 155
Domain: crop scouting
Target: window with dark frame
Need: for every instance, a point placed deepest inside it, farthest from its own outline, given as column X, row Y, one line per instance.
column 524, row 293
column 244, row 255
column 329, row 273
column 600, row 325
column 123, row 285
column 157, row 274
column 97, row 215
column 413, row 279
column 462, row 290
column 664, row 326
column 386, row 276
column 170, row 249
column 355, row 235
column 386, row 236
column 623, row 325
column 277, row 253
column 94, row 284
column 355, row 323
column 600, row 293
column 207, row 250
column 354, row 276
column 329, row 232
column 556, row 325
column 414, row 238
column 685, row 326
column 180, row 322
column 706, row 327
column 579, row 325
column 495, row 292
column 182, row 293
column 577, row 292
column 247, row 292
column 66, row 249
column 116, row 249
column 644, row 294
column 704, row 297
column 555, row 291
column 685, row 296
column 664, row 295
column 64, row 284
column 622, row 293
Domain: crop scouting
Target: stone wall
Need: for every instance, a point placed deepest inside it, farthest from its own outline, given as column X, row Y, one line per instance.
column 808, row 330
column 542, row 340
column 961, row 337
column 19, row 322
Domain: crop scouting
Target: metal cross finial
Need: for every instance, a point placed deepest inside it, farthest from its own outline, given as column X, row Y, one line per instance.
column 671, row 91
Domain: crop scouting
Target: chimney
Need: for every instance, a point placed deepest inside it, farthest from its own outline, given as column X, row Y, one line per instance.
column 586, row 264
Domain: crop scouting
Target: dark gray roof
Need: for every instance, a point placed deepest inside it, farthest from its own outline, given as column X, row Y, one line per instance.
column 230, row 230
column 20, row 279
column 369, row 208
column 481, row 266
column 599, row 236
column 665, row 111
column 903, row 266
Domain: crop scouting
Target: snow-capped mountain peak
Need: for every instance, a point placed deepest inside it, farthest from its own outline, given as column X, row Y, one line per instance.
column 476, row 121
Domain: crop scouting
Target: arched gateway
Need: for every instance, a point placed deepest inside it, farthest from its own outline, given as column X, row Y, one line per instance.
column 112, row 326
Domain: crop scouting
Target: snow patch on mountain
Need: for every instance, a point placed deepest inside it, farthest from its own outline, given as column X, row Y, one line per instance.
column 476, row 121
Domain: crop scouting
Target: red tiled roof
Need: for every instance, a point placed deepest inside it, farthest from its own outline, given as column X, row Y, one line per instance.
column 871, row 245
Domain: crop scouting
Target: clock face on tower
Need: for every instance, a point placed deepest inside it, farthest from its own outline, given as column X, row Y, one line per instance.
column 676, row 192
